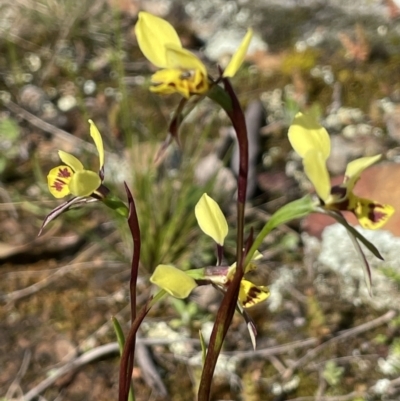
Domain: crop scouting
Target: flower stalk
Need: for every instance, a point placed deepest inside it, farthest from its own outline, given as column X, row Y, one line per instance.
column 228, row 305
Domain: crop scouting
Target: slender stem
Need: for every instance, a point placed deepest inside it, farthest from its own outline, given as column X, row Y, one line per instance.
column 127, row 358
column 228, row 304
column 126, row 366
column 239, row 124
column 133, row 223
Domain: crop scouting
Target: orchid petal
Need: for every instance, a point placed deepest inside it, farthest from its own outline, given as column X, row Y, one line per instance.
column 355, row 168
column 174, row 281
column 238, row 58
column 84, row 183
column 177, row 57
column 174, row 80
column 307, row 134
column 167, row 82
column 58, row 180
column 211, row 219
column 317, row 173
column 70, row 160
column 250, row 294
column 153, row 35
column 98, row 141
column 370, row 214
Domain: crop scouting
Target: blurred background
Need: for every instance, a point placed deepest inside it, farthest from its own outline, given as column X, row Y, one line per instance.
column 320, row 335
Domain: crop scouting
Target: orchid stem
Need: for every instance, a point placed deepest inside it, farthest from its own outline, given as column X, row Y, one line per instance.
column 229, row 302
column 128, row 354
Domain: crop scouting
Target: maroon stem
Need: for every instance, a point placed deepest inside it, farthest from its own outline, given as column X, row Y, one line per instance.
column 228, row 304
column 134, row 228
column 126, row 366
column 127, row 358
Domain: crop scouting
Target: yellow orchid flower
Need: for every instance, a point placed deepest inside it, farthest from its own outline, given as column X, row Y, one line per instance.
column 311, row 142
column 181, row 71
column 213, row 223
column 72, row 178
column 180, row 284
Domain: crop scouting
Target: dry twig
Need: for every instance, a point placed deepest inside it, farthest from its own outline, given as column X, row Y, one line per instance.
column 311, row 354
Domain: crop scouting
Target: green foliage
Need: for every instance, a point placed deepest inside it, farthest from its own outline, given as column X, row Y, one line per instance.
column 9, row 134
column 332, row 373
column 299, row 61
column 391, row 273
column 9, row 129
column 395, row 347
column 381, row 338
column 187, row 311
column 165, row 207
column 395, row 322
column 293, row 210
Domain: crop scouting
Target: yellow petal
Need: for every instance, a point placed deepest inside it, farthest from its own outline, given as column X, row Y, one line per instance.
column 183, row 59
column 98, row 141
column 166, row 82
column 70, row 160
column 237, row 59
column 306, row 134
column 355, row 168
column 58, row 180
column 211, row 219
column 186, row 83
column 315, row 168
column 84, row 183
column 250, row 294
column 174, row 281
column 371, row 214
column 153, row 34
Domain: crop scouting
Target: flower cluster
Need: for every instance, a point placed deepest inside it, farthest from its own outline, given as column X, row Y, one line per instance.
column 72, row 177
column 181, row 71
column 312, row 143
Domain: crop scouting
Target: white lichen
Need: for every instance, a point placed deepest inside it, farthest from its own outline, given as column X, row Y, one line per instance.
column 339, row 256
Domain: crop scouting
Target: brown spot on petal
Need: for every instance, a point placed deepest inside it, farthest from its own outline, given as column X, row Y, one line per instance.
column 64, row 173
column 338, row 191
column 376, row 214
column 58, row 185
column 254, row 292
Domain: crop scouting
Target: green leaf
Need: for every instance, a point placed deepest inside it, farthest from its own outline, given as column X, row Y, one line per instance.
column 116, row 204
column 332, row 373
column 119, row 333
column 293, row 210
column 196, row 274
column 203, row 347
column 219, row 96
column 9, row 129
